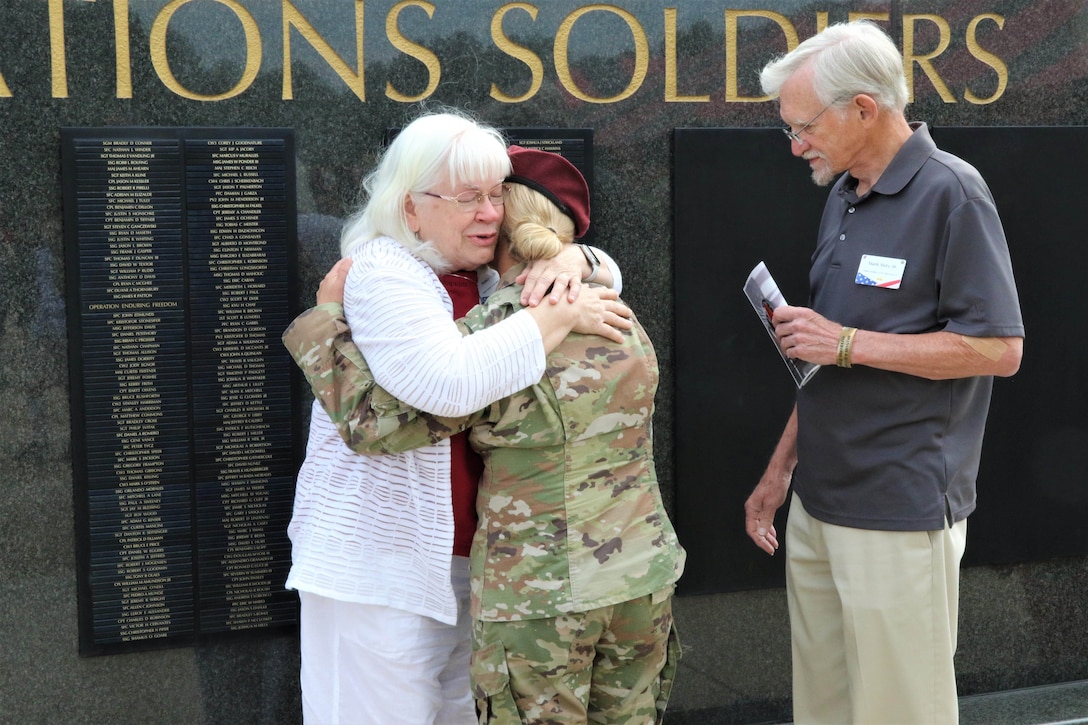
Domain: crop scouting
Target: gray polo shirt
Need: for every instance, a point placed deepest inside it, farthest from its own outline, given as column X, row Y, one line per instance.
column 923, row 251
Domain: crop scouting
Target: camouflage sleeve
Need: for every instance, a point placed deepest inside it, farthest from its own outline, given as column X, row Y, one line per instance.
column 369, row 419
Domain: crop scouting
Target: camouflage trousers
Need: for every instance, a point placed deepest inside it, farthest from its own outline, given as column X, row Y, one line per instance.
column 610, row 665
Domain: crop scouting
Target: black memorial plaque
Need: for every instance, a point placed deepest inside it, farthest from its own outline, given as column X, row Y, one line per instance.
column 180, row 248
column 573, row 144
column 741, row 197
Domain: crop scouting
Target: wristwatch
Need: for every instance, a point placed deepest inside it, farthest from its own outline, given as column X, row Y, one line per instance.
column 594, row 263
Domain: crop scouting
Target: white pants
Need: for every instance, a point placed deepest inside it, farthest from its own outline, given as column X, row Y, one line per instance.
column 373, row 665
column 873, row 618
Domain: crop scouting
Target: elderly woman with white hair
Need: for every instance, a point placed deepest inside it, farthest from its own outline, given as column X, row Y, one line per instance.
column 380, row 544
column 574, row 559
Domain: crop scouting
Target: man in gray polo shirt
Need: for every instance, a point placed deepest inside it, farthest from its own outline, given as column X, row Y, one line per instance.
column 913, row 311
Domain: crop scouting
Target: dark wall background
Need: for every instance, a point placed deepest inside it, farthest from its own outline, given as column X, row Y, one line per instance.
column 58, row 66
column 1029, row 510
column 1034, row 504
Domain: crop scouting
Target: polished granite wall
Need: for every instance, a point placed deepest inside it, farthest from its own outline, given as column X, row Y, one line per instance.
column 631, row 71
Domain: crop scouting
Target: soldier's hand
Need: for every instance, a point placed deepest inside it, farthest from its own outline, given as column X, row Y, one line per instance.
column 332, row 286
column 562, row 274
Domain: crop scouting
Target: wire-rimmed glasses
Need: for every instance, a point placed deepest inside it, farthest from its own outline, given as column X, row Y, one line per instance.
column 795, row 136
column 470, row 200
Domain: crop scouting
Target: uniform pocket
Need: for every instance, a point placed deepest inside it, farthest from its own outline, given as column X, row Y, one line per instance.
column 491, row 686
column 668, row 672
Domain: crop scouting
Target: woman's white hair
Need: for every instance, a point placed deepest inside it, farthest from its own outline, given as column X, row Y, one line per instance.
column 845, row 59
column 430, row 150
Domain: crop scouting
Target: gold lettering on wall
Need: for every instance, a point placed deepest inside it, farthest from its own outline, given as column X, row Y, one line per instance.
column 509, row 16
column 162, row 65
column 562, row 49
column 988, row 58
column 122, row 51
column 292, row 18
column 822, row 18
column 512, row 49
column 413, row 50
column 671, row 93
column 923, row 61
column 58, row 61
column 877, row 17
column 731, row 43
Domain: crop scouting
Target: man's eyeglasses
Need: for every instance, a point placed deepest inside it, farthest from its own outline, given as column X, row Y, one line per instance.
column 470, row 200
column 795, row 136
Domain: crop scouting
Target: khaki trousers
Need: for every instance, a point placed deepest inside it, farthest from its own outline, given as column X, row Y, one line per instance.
column 873, row 617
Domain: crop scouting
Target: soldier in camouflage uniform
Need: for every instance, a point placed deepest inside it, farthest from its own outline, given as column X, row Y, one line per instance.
column 574, row 559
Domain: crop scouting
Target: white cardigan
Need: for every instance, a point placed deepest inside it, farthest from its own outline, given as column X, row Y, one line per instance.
column 379, row 529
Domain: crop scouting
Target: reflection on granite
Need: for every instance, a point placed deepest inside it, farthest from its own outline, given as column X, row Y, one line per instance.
column 1017, row 625
column 1019, row 628
column 1065, row 703
column 1062, row 704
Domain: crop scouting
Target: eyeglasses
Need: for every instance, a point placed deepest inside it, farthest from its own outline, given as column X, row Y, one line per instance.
column 795, row 136
column 470, row 200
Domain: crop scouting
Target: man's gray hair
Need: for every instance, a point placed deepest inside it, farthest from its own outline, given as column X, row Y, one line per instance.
column 846, row 59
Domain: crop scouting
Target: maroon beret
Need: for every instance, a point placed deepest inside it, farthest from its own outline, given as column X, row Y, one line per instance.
column 554, row 177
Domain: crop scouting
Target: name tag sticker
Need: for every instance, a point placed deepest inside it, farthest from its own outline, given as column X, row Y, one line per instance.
column 886, row 272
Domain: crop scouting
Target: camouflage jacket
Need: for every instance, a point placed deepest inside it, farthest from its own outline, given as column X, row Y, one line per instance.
column 571, row 517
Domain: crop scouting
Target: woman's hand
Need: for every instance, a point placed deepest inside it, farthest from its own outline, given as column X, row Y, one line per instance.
column 597, row 311
column 602, row 313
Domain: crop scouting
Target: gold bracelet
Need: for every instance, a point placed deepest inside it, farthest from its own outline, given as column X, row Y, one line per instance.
column 846, row 344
